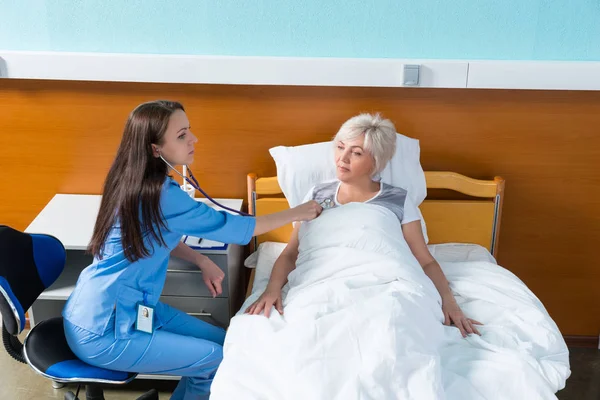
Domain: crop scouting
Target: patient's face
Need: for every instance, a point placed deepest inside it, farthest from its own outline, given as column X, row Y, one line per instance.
column 352, row 161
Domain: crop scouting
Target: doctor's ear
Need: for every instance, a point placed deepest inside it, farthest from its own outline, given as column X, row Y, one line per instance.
column 155, row 150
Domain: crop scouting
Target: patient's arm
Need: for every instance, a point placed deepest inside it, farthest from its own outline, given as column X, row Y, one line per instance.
column 414, row 237
column 285, row 264
column 452, row 312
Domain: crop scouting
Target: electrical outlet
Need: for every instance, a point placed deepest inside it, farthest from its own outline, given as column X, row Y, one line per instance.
column 411, row 75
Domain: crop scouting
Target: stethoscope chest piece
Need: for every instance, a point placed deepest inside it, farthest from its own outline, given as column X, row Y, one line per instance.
column 326, row 204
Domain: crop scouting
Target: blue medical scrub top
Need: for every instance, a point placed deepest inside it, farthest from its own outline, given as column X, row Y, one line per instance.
column 113, row 284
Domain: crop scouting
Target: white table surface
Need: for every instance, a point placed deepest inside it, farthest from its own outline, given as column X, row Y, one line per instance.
column 71, row 218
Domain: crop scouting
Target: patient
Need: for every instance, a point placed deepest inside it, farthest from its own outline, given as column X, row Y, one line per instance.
column 364, row 146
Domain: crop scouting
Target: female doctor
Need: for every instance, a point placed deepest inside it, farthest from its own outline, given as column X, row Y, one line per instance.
column 113, row 318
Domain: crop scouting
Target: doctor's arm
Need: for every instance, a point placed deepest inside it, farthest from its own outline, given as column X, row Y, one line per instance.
column 188, row 254
column 189, row 217
column 285, row 264
column 303, row 212
column 452, row 313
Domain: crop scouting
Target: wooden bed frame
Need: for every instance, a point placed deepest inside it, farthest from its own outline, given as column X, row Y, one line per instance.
column 475, row 221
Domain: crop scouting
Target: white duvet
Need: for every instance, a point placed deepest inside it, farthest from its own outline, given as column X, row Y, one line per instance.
column 362, row 321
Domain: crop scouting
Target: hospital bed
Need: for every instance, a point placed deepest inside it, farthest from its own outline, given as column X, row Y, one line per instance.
column 458, row 230
column 354, row 321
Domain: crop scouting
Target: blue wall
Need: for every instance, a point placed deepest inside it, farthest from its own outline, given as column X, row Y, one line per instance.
column 448, row 29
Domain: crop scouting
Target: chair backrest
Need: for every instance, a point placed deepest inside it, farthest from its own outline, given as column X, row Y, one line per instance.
column 29, row 263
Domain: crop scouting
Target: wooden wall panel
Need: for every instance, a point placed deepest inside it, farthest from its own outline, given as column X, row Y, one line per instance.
column 61, row 137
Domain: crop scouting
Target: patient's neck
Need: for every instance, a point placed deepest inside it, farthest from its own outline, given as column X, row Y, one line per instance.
column 358, row 191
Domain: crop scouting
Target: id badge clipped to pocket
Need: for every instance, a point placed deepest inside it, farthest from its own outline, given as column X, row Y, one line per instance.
column 145, row 318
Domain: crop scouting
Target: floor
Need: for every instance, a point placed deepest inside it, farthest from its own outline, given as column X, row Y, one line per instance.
column 20, row 382
column 584, row 383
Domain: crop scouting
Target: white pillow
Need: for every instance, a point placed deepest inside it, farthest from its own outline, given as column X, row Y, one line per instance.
column 299, row 168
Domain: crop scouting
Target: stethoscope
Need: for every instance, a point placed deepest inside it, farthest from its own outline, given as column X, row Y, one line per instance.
column 326, row 204
column 194, row 183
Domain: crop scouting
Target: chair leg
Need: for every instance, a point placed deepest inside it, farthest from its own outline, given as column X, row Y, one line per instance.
column 149, row 395
column 73, row 396
column 57, row 385
column 94, row 392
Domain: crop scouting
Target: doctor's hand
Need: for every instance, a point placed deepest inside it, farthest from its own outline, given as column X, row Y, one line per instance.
column 212, row 275
column 307, row 211
column 266, row 300
column 453, row 314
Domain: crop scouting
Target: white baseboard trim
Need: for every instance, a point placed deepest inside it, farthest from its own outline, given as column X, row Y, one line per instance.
column 297, row 71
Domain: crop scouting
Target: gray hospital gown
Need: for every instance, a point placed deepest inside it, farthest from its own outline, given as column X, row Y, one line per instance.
column 393, row 198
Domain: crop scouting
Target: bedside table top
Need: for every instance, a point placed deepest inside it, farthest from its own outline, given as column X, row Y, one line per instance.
column 71, row 218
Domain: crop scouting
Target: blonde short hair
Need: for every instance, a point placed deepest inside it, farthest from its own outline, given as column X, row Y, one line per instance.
column 380, row 137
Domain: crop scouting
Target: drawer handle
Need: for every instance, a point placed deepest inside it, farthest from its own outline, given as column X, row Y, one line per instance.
column 200, row 314
column 187, row 271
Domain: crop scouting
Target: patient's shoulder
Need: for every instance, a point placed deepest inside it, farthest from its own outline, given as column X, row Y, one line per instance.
column 392, row 196
column 393, row 190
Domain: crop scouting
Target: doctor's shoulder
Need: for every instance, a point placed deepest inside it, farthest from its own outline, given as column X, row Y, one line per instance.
column 172, row 197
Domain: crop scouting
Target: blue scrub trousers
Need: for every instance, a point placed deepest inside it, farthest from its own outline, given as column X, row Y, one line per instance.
column 184, row 346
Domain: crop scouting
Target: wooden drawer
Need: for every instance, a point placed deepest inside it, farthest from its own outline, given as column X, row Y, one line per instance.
column 178, row 263
column 214, row 311
column 190, row 283
column 185, row 279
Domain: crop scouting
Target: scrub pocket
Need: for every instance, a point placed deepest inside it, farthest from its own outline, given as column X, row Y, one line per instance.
column 126, row 311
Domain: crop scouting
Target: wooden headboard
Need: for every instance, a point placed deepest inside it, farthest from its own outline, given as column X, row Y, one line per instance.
column 476, row 220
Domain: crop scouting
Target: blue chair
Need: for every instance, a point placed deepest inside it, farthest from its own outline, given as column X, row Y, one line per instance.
column 30, row 263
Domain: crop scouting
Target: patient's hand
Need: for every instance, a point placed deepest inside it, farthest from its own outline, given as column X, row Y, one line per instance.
column 453, row 314
column 268, row 299
column 307, row 211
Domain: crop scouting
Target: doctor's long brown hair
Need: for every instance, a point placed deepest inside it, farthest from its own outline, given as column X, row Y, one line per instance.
column 134, row 183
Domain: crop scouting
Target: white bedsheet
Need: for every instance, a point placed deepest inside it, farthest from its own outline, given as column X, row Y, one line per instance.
column 362, row 321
